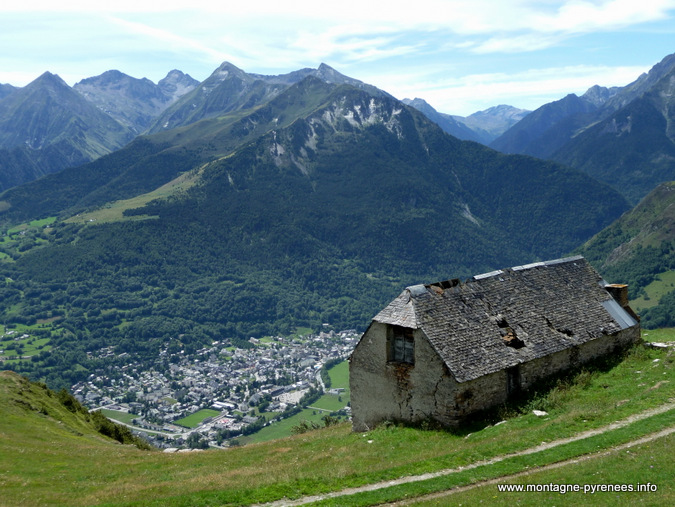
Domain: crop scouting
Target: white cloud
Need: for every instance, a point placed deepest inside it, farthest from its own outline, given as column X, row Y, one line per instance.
column 390, row 44
column 269, row 33
column 517, row 44
column 177, row 42
column 584, row 16
column 461, row 16
column 351, row 42
column 527, row 89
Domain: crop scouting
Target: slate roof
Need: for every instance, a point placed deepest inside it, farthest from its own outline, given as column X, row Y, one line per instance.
column 548, row 306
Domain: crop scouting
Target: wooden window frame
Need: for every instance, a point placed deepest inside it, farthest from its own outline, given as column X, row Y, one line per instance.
column 401, row 345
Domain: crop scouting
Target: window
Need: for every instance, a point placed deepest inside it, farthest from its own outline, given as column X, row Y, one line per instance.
column 402, row 345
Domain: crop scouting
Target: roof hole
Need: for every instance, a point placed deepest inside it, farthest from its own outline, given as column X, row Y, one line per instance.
column 509, row 335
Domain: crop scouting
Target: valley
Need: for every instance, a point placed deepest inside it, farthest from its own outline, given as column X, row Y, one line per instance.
column 292, row 286
column 314, row 207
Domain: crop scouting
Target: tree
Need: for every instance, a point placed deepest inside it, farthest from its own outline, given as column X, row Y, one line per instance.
column 195, row 441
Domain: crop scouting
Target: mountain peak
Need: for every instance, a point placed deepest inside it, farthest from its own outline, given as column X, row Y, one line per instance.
column 503, row 110
column 113, row 75
column 225, row 69
column 330, row 75
column 47, row 78
column 54, row 127
column 6, row 89
column 416, row 102
column 325, row 68
column 177, row 75
column 642, row 84
column 176, row 84
column 598, row 95
column 112, row 78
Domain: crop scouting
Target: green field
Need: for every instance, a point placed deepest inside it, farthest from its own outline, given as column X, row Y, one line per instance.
column 194, row 420
column 30, row 346
column 25, row 236
column 339, row 375
column 659, row 335
column 118, row 415
column 331, row 402
column 283, row 428
column 114, row 211
column 35, row 224
column 639, row 465
column 664, row 284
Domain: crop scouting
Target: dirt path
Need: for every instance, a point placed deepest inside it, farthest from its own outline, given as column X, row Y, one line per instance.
column 579, row 459
column 547, row 445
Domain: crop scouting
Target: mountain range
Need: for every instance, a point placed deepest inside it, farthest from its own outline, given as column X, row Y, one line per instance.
column 135, row 103
column 140, row 106
column 230, row 89
column 256, row 204
column 573, row 130
column 315, row 206
column 622, row 136
column 47, row 126
column 482, row 126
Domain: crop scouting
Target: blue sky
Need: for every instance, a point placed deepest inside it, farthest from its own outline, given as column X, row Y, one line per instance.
column 461, row 56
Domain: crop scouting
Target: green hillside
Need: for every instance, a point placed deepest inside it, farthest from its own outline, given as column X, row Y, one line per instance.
column 317, row 207
column 48, row 455
column 36, row 415
column 639, row 249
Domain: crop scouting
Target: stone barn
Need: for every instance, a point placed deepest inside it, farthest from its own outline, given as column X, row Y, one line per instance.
column 450, row 349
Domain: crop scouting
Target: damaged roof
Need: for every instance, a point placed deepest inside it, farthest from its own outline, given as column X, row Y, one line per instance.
column 507, row 317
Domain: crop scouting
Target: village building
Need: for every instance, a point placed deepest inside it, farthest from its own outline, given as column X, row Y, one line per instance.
column 447, row 350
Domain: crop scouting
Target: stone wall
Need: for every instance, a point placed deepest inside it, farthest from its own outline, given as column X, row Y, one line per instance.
column 557, row 363
column 382, row 391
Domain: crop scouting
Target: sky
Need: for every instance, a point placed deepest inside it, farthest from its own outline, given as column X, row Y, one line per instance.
column 461, row 56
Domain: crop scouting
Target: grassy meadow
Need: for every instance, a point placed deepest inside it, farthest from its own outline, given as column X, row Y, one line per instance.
column 118, row 415
column 664, row 284
column 44, row 461
column 13, row 346
column 649, row 465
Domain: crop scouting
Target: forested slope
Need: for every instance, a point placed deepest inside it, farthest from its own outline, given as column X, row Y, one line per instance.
column 316, row 208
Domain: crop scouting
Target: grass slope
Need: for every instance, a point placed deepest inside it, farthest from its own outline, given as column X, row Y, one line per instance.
column 45, row 461
column 652, row 294
column 639, row 250
column 647, row 465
